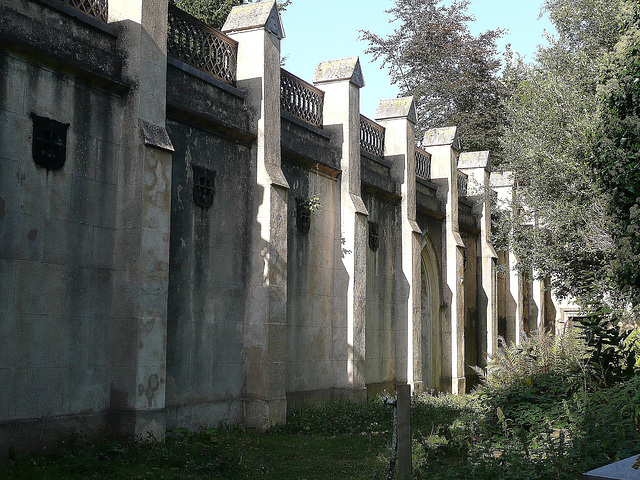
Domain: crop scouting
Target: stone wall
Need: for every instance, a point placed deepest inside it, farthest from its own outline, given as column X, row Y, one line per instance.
column 163, row 276
column 57, row 236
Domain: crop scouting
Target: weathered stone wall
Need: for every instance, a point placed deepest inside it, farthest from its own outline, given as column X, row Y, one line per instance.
column 313, row 345
column 207, row 280
column 57, row 258
column 127, row 306
column 381, row 327
column 209, row 263
column 472, row 331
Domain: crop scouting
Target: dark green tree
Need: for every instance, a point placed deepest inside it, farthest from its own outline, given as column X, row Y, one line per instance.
column 562, row 228
column 453, row 75
column 617, row 154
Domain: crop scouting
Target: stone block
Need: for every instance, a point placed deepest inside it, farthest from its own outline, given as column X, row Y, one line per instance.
column 13, row 82
column 277, row 342
column 14, row 342
column 56, row 198
column 179, row 388
column 127, row 248
column 123, row 386
column 154, row 304
column 98, row 329
column 41, row 289
column 7, row 289
column 340, row 346
column 84, row 196
column 107, row 161
column 10, row 188
column 314, row 343
column 35, row 392
column 194, row 417
column 155, row 251
column 227, row 344
column 125, row 295
column 227, row 380
column 81, row 154
column 84, row 389
column 89, row 291
column 68, row 243
column 50, row 94
column 150, row 388
column 103, row 247
column 21, row 237
column 6, row 377
column 14, row 135
column 123, row 343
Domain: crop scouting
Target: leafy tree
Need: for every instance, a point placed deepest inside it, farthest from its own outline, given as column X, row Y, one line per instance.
column 452, row 74
column 561, row 227
column 617, row 153
column 215, row 12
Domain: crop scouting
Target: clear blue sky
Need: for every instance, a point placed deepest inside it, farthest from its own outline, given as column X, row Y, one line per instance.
column 318, row 30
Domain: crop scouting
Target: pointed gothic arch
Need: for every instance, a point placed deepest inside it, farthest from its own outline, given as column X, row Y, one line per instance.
column 430, row 338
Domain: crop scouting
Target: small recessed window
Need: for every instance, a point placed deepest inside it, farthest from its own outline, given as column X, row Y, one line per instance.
column 303, row 215
column 374, row 236
column 203, row 186
column 49, row 145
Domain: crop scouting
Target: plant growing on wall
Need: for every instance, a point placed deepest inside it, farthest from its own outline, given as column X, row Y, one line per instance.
column 312, row 203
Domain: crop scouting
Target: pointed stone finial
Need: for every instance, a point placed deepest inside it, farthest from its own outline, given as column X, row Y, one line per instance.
column 339, row 70
column 442, row 136
column 475, row 160
column 255, row 15
column 403, row 107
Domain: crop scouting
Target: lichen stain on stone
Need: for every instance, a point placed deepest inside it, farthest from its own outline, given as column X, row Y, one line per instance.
column 148, row 326
column 152, row 387
column 33, row 234
column 178, row 192
column 21, row 176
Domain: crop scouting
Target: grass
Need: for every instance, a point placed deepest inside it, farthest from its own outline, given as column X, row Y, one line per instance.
column 304, row 449
column 537, row 417
column 534, row 437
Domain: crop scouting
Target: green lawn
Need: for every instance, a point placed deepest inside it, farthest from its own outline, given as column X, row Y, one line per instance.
column 544, row 427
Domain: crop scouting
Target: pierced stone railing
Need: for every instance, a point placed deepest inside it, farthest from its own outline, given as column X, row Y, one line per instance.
column 371, row 137
column 197, row 44
column 463, row 182
column 96, row 8
column 423, row 164
column 301, row 99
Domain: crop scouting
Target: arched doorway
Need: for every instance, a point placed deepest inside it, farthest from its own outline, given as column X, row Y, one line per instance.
column 430, row 347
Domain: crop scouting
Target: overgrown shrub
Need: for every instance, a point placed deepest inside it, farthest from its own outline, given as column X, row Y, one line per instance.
column 612, row 347
column 538, row 354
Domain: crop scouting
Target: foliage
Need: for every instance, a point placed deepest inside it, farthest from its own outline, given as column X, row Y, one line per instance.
column 480, row 436
column 617, row 152
column 537, row 355
column 452, row 75
column 215, row 12
column 612, row 349
column 312, row 204
column 560, row 227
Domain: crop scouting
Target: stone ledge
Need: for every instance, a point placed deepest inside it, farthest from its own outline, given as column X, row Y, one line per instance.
column 621, row 470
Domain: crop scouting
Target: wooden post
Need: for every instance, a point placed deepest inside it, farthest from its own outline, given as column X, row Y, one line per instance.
column 404, row 432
